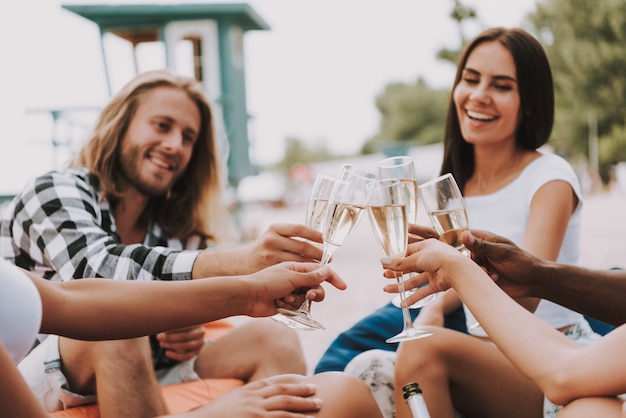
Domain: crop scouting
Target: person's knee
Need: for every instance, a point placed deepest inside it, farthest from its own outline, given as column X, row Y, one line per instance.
column 593, row 407
column 343, row 384
column 345, row 395
column 276, row 338
column 131, row 353
column 419, row 357
column 272, row 330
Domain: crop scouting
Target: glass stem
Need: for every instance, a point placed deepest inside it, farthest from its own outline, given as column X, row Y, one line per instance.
column 406, row 316
column 328, row 251
column 306, row 306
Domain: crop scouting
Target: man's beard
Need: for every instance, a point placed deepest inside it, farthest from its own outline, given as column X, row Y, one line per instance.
column 132, row 175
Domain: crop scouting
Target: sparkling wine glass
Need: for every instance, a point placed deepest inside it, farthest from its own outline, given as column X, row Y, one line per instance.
column 316, row 208
column 347, row 203
column 388, row 218
column 402, row 168
column 447, row 211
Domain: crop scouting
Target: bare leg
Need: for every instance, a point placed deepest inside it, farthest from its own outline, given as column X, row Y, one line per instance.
column 457, row 371
column 119, row 372
column 342, row 396
column 16, row 398
column 593, row 407
column 253, row 351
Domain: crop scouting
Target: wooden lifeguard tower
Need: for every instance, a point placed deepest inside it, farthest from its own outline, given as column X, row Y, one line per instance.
column 203, row 40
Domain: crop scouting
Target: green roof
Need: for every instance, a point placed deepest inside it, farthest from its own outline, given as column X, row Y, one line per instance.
column 124, row 15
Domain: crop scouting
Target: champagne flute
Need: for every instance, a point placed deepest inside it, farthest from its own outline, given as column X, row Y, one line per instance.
column 348, row 200
column 402, row 168
column 388, row 218
column 447, row 211
column 316, row 209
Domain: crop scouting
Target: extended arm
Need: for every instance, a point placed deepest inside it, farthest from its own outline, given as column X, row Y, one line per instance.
column 597, row 293
column 61, row 230
column 112, row 309
column 550, row 211
column 563, row 370
column 276, row 245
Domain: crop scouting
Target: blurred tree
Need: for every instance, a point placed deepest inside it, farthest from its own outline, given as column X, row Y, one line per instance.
column 612, row 150
column 409, row 112
column 461, row 14
column 414, row 114
column 297, row 152
column 586, row 44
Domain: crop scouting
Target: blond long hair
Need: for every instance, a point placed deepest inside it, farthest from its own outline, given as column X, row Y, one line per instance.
column 194, row 204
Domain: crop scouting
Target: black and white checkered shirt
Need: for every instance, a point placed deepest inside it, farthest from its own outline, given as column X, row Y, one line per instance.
column 60, row 227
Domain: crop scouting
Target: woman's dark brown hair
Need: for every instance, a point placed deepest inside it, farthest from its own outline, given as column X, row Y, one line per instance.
column 536, row 90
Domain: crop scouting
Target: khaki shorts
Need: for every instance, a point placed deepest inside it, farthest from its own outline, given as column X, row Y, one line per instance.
column 43, row 373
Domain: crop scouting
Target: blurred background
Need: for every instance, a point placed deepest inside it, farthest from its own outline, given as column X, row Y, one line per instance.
column 301, row 82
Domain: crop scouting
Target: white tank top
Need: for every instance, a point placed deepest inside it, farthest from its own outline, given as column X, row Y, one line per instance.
column 20, row 311
column 506, row 213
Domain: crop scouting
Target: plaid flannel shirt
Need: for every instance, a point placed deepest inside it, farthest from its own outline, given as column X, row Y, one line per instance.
column 60, row 227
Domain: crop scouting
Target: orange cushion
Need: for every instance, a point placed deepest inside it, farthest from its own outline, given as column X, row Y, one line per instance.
column 179, row 397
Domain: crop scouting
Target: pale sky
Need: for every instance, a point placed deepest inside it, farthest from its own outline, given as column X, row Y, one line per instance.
column 314, row 75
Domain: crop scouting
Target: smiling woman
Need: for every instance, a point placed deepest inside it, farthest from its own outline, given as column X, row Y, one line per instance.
column 486, row 97
column 500, row 113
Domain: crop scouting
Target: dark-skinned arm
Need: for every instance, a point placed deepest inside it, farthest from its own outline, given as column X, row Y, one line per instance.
column 596, row 293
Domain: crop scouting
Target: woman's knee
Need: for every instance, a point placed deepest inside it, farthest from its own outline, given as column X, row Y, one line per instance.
column 424, row 356
column 593, row 407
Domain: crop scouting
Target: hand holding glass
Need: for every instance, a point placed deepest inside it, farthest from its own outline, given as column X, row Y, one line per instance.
column 446, row 208
column 318, row 201
column 388, row 217
column 346, row 206
column 402, row 169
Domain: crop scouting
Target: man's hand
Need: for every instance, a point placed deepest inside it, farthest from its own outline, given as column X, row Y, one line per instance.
column 277, row 245
column 182, row 344
column 280, row 243
column 280, row 286
column 512, row 268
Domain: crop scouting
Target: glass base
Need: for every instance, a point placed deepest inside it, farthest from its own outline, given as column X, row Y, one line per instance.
column 285, row 320
column 409, row 334
column 419, row 304
column 297, row 319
